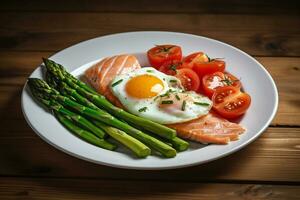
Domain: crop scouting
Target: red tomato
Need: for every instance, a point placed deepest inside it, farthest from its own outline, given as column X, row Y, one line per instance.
column 218, row 79
column 162, row 53
column 170, row 67
column 214, row 65
column 188, row 78
column 190, row 60
column 230, row 102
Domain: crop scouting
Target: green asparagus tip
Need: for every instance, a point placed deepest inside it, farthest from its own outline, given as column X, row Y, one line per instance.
column 31, row 82
column 47, row 61
column 38, row 83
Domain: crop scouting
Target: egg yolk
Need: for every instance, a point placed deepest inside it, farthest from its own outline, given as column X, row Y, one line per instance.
column 144, row 86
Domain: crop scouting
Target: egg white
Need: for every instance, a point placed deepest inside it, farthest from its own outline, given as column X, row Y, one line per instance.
column 153, row 111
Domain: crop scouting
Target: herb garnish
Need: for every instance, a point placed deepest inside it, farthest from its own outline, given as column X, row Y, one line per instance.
column 167, row 102
column 208, row 58
column 116, row 83
column 165, row 94
column 162, row 48
column 149, row 70
column 213, row 59
column 201, row 104
column 177, row 97
column 143, row 109
column 228, row 81
column 183, row 105
column 156, row 98
column 173, row 67
column 173, row 81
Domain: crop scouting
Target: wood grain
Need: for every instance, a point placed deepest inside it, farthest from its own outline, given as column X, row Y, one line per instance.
column 156, row 6
column 262, row 160
column 286, row 74
column 26, row 188
column 257, row 35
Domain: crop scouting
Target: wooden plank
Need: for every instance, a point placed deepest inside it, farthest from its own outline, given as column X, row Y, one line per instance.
column 286, row 74
column 190, row 6
column 26, row 188
column 260, row 161
column 256, row 34
column 15, row 67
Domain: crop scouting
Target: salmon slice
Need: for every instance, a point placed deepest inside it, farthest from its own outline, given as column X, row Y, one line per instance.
column 102, row 73
column 210, row 128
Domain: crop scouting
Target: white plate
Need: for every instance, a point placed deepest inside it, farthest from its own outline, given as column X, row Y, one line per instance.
column 255, row 79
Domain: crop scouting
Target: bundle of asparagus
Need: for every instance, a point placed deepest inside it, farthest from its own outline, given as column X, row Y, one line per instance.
column 90, row 116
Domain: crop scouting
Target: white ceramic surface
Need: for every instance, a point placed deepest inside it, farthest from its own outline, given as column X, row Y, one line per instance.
column 255, row 79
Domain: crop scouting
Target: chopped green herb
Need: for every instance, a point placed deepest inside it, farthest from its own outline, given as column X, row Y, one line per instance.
column 167, row 94
column 173, row 81
column 208, row 58
column 167, row 102
column 173, row 67
column 156, row 98
column 212, row 59
column 201, row 104
column 183, row 105
column 228, row 81
column 149, row 70
column 162, row 48
column 164, row 95
column 116, row 83
column 177, row 97
column 143, row 109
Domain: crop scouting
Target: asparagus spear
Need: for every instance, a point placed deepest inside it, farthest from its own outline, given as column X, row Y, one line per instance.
column 64, row 117
column 179, row 144
column 51, row 80
column 176, row 142
column 63, row 72
column 101, row 102
column 86, row 135
column 102, row 116
column 73, row 93
column 133, row 144
column 52, row 105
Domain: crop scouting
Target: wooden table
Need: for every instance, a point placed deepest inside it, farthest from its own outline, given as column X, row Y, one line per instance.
column 269, row 168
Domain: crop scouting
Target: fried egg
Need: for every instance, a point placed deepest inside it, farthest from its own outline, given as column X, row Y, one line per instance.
column 154, row 95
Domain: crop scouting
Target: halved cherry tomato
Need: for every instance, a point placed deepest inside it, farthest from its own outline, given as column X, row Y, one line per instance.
column 230, row 102
column 170, row 67
column 162, row 53
column 214, row 65
column 190, row 60
column 188, row 78
column 218, row 79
